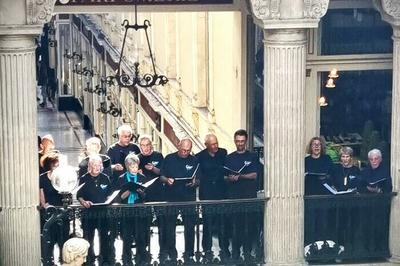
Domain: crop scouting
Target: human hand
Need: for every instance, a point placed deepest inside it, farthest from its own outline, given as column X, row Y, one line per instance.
column 233, row 178
column 170, row 181
column 118, row 167
column 86, row 203
column 149, row 166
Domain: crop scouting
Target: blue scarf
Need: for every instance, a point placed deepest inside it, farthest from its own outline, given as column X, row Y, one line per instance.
column 133, row 196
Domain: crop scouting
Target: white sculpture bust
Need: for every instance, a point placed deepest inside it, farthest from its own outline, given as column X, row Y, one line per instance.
column 74, row 251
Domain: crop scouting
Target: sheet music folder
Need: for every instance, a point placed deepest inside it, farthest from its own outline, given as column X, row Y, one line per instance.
column 320, row 176
column 132, row 186
column 335, row 192
column 377, row 182
column 109, row 200
column 229, row 171
column 189, row 177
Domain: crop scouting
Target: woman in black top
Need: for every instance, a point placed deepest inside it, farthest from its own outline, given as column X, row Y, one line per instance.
column 318, row 167
column 346, row 174
column 49, row 196
column 133, row 227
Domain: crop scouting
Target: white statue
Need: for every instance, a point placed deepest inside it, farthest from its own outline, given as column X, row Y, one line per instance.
column 75, row 251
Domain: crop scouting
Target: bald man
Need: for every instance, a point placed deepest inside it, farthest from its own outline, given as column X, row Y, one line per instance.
column 212, row 187
column 177, row 165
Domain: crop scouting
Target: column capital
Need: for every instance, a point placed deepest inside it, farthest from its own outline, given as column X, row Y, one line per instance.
column 39, row 11
column 390, row 11
column 281, row 14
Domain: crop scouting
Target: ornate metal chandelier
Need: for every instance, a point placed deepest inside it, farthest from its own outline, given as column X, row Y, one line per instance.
column 148, row 79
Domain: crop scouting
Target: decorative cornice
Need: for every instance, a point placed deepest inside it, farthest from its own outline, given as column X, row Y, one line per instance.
column 268, row 12
column 39, row 11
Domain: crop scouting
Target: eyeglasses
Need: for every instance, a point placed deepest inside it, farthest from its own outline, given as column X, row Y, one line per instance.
column 316, row 145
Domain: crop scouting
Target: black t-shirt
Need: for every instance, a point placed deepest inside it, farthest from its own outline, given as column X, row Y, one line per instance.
column 318, row 171
column 212, row 184
column 117, row 154
column 243, row 188
column 51, row 195
column 83, row 165
column 156, row 191
column 345, row 178
column 96, row 189
column 380, row 176
column 177, row 167
column 123, row 179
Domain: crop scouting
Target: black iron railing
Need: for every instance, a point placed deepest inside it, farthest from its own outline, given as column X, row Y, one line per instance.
column 352, row 227
column 225, row 210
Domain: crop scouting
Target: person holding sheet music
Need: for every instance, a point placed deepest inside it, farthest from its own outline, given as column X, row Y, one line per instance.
column 241, row 177
column 375, row 178
column 96, row 190
column 345, row 180
column 133, row 227
column 345, row 174
column 212, row 187
column 150, row 165
column 179, row 172
column 318, row 167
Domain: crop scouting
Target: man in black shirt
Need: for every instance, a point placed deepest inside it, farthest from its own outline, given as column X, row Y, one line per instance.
column 96, row 190
column 212, row 187
column 150, row 165
column 178, row 165
column 119, row 150
column 242, row 185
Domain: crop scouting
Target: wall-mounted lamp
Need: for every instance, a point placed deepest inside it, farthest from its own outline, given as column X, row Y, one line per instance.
column 113, row 110
column 100, row 89
column 73, row 56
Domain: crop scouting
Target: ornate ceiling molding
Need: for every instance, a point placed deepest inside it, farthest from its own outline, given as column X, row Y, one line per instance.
column 39, row 11
column 268, row 11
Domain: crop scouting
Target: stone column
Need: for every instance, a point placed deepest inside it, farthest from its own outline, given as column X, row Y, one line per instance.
column 285, row 23
column 20, row 22
column 391, row 13
column 394, row 240
column 19, row 189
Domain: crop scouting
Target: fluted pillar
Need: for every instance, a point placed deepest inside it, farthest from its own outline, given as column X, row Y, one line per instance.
column 284, row 101
column 19, row 183
column 394, row 239
column 285, row 23
column 391, row 13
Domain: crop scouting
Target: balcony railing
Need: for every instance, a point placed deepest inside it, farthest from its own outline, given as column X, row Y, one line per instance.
column 352, row 227
column 226, row 210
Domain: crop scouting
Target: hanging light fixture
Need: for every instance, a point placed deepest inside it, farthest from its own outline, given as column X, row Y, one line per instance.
column 148, row 79
column 330, row 84
column 322, row 101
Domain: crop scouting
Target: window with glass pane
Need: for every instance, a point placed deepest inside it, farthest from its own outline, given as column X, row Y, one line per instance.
column 360, row 101
column 66, row 64
column 355, row 31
